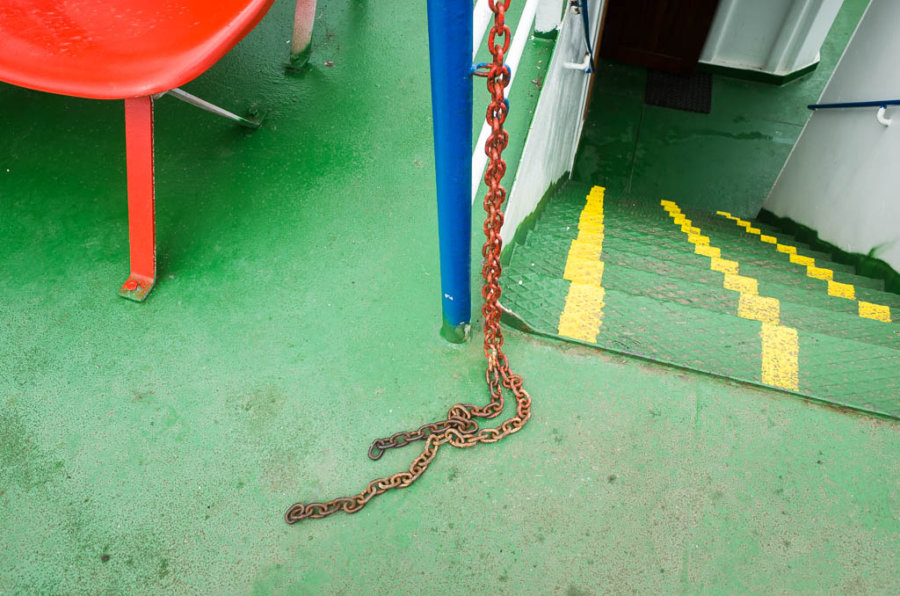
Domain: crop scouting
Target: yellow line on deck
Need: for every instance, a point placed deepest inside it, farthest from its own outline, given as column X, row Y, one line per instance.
column 780, row 366
column 866, row 310
column 583, row 314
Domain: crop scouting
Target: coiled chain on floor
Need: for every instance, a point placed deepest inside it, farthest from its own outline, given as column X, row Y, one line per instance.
column 459, row 429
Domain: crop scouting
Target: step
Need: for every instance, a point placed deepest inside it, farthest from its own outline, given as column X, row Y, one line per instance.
column 646, row 210
column 675, row 246
column 565, row 221
column 840, row 371
column 675, row 239
column 718, row 299
column 552, row 262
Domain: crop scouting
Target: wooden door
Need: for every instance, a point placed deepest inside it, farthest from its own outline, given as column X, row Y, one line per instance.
column 661, row 34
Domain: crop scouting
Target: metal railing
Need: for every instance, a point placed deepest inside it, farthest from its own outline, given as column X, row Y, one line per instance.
column 881, row 104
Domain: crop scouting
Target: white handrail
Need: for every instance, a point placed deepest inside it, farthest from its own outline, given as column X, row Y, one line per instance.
column 516, row 49
column 481, row 18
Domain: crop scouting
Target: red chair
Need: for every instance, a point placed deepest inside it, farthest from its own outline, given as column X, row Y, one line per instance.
column 133, row 50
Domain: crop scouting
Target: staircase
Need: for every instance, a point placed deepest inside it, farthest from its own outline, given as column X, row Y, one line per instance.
column 708, row 292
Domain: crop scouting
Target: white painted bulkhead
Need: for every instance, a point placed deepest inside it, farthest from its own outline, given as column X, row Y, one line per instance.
column 556, row 127
column 842, row 178
column 776, row 37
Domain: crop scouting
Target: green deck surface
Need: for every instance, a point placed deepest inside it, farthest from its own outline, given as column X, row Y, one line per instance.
column 153, row 448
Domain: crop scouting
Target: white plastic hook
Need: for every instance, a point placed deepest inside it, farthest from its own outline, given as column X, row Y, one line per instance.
column 880, row 117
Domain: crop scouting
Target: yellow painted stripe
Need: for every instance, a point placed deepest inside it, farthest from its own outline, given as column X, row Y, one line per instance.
column 739, row 283
column 819, row 272
column 780, row 366
column 707, row 251
column 780, row 356
column 802, row 260
column 878, row 312
column 584, row 269
column 723, row 265
column 582, row 316
column 836, row 288
column 790, row 250
column 867, row 310
column 759, row 308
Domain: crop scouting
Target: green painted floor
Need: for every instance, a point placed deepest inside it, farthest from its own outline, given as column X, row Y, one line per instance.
column 647, row 290
column 153, row 448
column 728, row 158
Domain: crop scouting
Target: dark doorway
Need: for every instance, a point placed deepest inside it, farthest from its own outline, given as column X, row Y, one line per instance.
column 661, row 34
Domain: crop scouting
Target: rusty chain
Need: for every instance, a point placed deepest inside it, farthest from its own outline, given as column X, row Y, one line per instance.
column 459, row 429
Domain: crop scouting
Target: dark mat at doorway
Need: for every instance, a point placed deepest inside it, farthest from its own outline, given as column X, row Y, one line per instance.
column 690, row 93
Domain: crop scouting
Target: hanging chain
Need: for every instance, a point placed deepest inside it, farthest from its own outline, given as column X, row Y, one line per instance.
column 459, row 429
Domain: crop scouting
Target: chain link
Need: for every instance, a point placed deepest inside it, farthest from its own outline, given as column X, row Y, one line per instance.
column 459, row 429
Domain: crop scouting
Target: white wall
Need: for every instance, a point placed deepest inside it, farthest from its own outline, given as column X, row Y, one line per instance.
column 549, row 14
column 556, row 127
column 843, row 177
column 772, row 36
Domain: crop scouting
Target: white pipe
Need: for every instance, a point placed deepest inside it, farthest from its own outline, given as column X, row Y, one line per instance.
column 880, row 117
column 584, row 65
column 516, row 49
column 480, row 19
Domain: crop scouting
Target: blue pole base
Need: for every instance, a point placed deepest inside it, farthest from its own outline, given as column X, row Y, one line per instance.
column 455, row 334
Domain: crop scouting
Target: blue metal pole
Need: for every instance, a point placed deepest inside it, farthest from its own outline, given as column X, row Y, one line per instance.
column 450, row 51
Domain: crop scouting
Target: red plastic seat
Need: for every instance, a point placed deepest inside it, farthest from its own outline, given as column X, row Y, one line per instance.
column 115, row 49
column 122, row 49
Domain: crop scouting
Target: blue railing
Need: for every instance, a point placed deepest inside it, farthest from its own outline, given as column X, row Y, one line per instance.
column 883, row 103
column 449, row 43
column 455, row 32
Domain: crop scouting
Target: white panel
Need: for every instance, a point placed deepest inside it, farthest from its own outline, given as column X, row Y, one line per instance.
column 772, row 36
column 550, row 148
column 842, row 177
column 549, row 15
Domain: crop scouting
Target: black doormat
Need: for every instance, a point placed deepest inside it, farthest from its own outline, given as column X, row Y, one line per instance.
column 692, row 93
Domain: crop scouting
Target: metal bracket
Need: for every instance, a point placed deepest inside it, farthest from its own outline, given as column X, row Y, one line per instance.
column 186, row 97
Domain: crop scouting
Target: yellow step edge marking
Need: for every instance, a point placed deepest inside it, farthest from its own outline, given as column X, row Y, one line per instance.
column 739, row 283
column 836, row 288
column 759, row 308
column 584, row 271
column 802, row 260
column 878, row 312
column 723, row 265
column 780, row 365
column 819, row 272
column 780, row 356
column 866, row 310
column 582, row 315
column 707, row 251
column 790, row 250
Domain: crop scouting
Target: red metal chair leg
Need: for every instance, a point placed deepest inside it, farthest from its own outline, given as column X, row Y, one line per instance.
column 141, row 213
